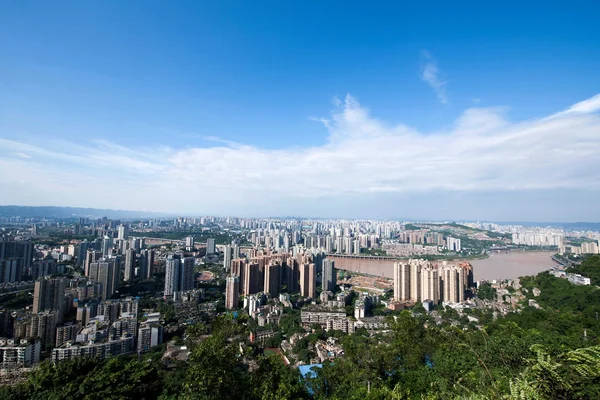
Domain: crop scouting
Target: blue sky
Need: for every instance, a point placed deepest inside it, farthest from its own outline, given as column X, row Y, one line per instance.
column 313, row 108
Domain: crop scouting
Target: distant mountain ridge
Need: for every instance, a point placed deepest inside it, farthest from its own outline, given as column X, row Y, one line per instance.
column 73, row 212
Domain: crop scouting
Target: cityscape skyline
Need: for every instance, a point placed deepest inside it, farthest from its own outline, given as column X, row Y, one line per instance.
column 129, row 215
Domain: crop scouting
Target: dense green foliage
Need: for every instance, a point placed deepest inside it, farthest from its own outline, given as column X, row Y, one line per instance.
column 589, row 268
column 117, row 378
column 373, row 252
column 549, row 353
column 486, row 292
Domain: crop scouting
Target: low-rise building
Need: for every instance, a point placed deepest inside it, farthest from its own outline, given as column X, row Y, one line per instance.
column 577, row 279
column 149, row 335
column 371, row 323
column 111, row 348
column 23, row 353
column 261, row 336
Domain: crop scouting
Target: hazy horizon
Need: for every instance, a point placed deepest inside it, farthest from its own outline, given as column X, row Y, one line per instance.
column 153, row 214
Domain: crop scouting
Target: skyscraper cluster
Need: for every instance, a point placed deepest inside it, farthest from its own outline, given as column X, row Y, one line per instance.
column 268, row 273
column 419, row 280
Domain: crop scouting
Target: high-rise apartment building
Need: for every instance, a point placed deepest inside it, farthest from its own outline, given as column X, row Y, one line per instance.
column 123, row 232
column 453, row 244
column 401, row 281
column 430, row 284
column 329, row 275
column 227, row 253
column 43, row 326
column 272, row 279
column 238, row 269
column 106, row 272
column 252, row 276
column 81, row 252
column 452, row 281
column 17, row 249
column 356, row 246
column 235, row 251
column 172, row 275
column 186, row 274
column 189, row 243
column 415, row 280
column 130, row 258
column 107, row 245
column 91, row 256
column 10, row 270
column 210, row 246
column 308, row 280
column 136, row 244
column 232, row 292
column 292, row 275
column 419, row 280
column 49, row 295
column 146, row 264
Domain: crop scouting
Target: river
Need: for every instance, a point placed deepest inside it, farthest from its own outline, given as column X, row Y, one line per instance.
column 512, row 264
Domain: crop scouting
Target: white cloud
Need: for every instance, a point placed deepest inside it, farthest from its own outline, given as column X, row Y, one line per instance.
column 22, row 155
column 430, row 75
column 363, row 156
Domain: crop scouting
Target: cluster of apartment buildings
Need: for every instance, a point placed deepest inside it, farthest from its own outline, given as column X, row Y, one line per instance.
column 538, row 238
column 101, row 327
column 589, row 247
column 269, row 273
column 428, row 237
column 420, row 280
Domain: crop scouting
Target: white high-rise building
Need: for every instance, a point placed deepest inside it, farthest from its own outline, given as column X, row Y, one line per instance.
column 129, row 264
column 232, row 292
column 123, row 232
column 453, row 244
column 356, row 246
column 430, row 284
column 235, row 251
column 189, row 243
column 415, row 280
column 401, row 281
column 227, row 256
column 172, row 276
column 107, row 245
column 452, row 283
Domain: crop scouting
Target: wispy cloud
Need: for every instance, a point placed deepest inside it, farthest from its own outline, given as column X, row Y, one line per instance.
column 483, row 151
column 430, row 74
column 22, row 155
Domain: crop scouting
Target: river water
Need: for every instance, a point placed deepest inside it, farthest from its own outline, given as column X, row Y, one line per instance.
column 512, row 265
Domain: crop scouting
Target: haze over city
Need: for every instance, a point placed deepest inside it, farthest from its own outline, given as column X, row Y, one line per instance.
column 206, row 110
